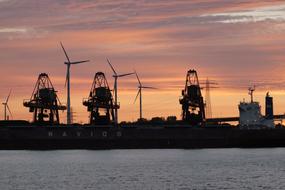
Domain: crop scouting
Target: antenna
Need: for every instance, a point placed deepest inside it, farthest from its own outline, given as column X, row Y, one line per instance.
column 209, row 84
column 68, row 63
column 250, row 92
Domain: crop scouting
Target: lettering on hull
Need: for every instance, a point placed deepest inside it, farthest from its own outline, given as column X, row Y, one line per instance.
column 104, row 134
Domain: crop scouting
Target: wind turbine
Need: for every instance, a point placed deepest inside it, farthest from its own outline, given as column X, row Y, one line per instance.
column 116, row 76
column 140, row 87
column 67, row 81
column 6, row 107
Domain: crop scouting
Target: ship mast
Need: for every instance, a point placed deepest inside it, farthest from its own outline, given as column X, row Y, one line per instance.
column 250, row 92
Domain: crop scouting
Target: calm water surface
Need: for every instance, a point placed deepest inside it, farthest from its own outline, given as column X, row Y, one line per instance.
column 143, row 169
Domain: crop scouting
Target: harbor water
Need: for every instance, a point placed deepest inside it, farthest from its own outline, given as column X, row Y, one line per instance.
column 143, row 169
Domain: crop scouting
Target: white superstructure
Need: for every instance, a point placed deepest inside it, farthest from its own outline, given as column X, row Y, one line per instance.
column 250, row 114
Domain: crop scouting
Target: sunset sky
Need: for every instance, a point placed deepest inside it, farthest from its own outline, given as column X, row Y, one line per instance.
column 237, row 43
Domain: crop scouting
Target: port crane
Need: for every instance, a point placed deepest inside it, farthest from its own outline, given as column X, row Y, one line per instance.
column 100, row 101
column 193, row 110
column 44, row 102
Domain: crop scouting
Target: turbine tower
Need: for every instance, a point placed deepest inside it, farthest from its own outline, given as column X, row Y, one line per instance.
column 6, row 107
column 68, row 63
column 140, row 87
column 116, row 76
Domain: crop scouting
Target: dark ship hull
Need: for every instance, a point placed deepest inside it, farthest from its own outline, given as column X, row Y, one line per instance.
column 136, row 137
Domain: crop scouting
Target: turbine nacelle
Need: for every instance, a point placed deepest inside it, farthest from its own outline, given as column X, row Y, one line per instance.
column 75, row 62
column 140, row 86
column 115, row 75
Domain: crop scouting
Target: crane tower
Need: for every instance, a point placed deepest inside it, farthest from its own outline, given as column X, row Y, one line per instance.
column 193, row 110
column 100, row 101
column 44, row 102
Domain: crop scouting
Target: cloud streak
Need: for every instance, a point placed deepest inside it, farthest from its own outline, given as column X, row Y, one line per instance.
column 13, row 30
column 273, row 13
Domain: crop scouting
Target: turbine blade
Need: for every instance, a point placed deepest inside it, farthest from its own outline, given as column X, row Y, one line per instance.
column 127, row 74
column 137, row 96
column 149, row 87
column 111, row 66
column 9, row 110
column 67, row 75
column 64, row 52
column 138, row 78
column 77, row 62
column 8, row 97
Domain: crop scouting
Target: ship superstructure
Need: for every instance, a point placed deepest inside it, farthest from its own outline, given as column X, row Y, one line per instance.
column 250, row 113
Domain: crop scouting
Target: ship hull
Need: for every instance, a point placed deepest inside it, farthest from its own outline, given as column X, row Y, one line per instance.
column 147, row 137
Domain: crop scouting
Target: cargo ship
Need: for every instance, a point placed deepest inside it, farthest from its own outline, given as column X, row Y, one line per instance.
column 103, row 131
column 33, row 137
